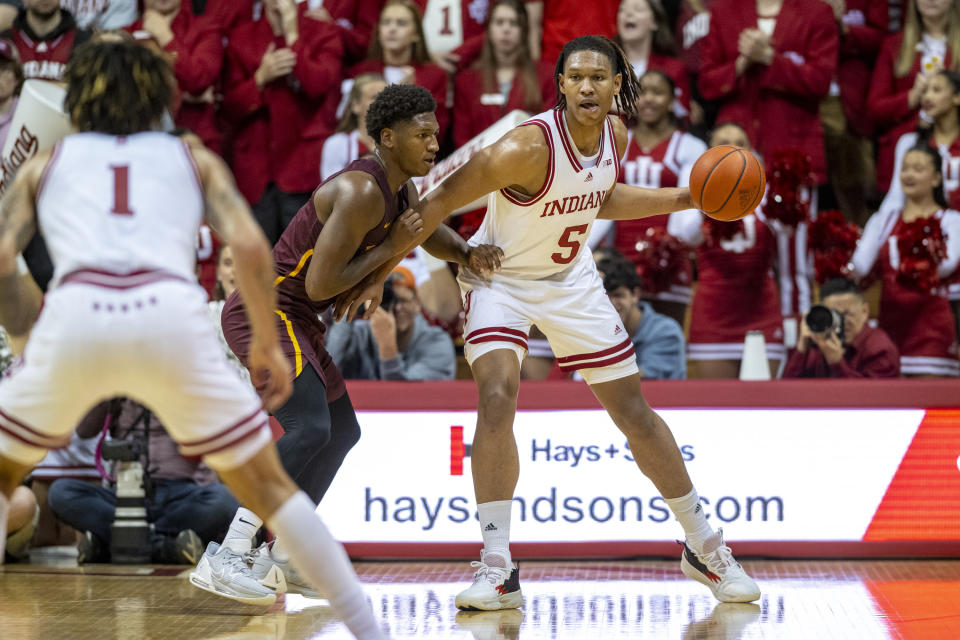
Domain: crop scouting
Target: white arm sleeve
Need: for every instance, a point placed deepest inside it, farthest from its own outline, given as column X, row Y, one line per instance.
column 868, row 247
column 686, row 226
column 951, row 229
column 894, row 199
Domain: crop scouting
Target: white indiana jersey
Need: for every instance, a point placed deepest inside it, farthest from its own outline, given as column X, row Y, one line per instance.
column 121, row 204
column 545, row 234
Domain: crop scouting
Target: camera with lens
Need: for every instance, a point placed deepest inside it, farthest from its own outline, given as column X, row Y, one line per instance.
column 821, row 319
column 130, row 532
column 389, row 299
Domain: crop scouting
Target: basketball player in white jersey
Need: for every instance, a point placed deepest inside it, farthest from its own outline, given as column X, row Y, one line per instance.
column 548, row 180
column 119, row 205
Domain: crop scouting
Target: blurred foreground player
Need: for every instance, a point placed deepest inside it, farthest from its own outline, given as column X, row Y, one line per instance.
column 119, row 205
column 549, row 179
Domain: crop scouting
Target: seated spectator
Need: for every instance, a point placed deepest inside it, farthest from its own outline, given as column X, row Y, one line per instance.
column 399, row 53
column 397, row 343
column 658, row 155
column 772, row 86
column 907, row 62
column 22, row 518
column 45, row 35
column 505, row 77
column 643, row 31
column 736, row 291
column 11, row 80
column 914, row 310
column 282, row 74
column 195, row 50
column 102, row 15
column 186, row 504
column 350, row 140
column 657, row 339
column 862, row 352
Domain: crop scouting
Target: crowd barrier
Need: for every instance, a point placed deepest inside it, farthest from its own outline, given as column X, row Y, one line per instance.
column 825, row 468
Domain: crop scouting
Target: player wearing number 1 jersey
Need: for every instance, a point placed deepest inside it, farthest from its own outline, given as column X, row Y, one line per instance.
column 548, row 180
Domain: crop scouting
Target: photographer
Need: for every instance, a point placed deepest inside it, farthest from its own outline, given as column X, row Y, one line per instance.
column 185, row 502
column 836, row 342
column 397, row 343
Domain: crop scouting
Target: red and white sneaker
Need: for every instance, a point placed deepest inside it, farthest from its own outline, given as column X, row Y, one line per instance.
column 718, row 570
column 493, row 588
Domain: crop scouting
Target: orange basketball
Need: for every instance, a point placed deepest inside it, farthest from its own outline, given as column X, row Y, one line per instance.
column 727, row 182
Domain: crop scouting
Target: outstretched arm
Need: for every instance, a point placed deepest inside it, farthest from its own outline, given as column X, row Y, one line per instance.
column 229, row 215
column 19, row 295
column 627, row 202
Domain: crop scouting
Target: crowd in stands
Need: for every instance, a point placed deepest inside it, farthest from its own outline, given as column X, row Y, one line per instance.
column 852, row 105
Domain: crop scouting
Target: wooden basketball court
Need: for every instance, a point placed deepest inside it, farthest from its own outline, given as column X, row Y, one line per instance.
column 809, row 600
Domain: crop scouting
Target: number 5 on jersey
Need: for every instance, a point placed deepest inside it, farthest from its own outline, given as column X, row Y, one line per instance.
column 566, row 242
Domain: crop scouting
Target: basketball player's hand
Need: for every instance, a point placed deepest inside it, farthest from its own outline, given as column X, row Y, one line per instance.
column 484, row 259
column 270, row 373
column 406, row 230
column 368, row 291
column 830, row 345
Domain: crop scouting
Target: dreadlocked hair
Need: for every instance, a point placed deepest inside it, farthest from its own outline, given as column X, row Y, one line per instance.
column 626, row 99
column 117, row 87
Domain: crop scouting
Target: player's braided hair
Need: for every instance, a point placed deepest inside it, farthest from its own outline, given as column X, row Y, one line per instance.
column 117, row 87
column 629, row 87
column 397, row 103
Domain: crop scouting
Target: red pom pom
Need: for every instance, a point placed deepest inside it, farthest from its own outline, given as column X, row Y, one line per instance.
column 788, row 172
column 716, row 231
column 660, row 258
column 832, row 240
column 922, row 247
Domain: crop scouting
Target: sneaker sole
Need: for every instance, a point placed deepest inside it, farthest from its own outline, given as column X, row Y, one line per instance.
column 509, row 601
column 691, row 572
column 200, row 583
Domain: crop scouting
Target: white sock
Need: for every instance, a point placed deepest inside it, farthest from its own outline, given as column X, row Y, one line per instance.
column 244, row 526
column 324, row 563
column 495, row 529
column 278, row 552
column 4, row 512
column 690, row 513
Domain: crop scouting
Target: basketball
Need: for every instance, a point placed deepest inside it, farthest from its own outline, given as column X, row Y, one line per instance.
column 727, row 182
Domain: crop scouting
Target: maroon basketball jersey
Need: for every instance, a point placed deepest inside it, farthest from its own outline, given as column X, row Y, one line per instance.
column 294, row 251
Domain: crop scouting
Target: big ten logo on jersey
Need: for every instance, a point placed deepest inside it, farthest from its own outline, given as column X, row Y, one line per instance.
column 643, row 171
column 744, row 240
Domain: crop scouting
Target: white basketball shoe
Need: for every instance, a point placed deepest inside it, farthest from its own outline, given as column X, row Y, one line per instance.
column 270, row 572
column 225, row 573
column 493, row 588
column 718, row 570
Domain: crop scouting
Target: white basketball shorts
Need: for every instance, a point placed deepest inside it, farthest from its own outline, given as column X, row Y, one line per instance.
column 153, row 343
column 571, row 309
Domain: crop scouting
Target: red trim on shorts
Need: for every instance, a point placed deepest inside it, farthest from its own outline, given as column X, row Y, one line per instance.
column 231, row 443
column 600, row 363
column 110, row 280
column 596, row 354
column 548, row 181
column 42, row 182
column 41, row 436
column 499, row 338
column 222, row 432
column 513, row 332
column 564, row 136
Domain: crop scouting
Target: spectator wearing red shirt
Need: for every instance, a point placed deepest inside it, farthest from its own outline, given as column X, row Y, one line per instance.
column 350, row 140
column 355, row 19
column 771, row 62
column 847, row 134
column 45, row 35
column 864, row 352
column 554, row 23
column 282, row 74
column 645, row 36
column 503, row 79
column 930, row 41
column 399, row 53
column 195, row 50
